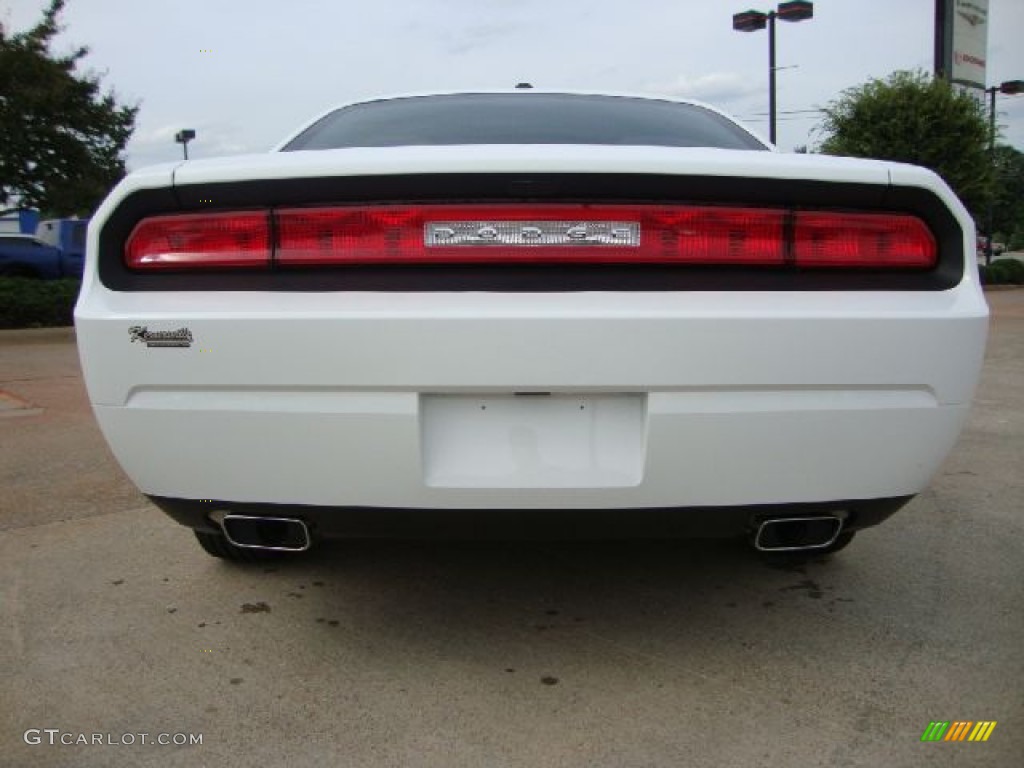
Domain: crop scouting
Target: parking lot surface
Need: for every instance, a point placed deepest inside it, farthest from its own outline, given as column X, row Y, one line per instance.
column 113, row 623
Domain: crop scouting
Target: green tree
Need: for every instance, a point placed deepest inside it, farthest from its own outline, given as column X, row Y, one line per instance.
column 61, row 137
column 1008, row 206
column 911, row 117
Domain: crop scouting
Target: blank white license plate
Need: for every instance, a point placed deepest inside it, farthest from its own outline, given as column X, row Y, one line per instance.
column 532, row 441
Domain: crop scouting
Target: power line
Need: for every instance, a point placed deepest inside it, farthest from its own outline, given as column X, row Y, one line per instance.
column 787, row 112
column 778, row 119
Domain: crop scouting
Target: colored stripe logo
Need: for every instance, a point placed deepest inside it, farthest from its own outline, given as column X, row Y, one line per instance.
column 958, row 730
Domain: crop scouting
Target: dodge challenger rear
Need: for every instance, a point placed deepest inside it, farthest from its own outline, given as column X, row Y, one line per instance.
column 530, row 313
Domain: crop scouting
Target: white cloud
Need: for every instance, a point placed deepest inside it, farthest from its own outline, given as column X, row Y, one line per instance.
column 213, row 139
column 715, row 87
column 274, row 65
column 461, row 40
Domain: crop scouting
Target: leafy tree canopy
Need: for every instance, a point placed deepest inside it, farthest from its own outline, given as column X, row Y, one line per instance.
column 1008, row 208
column 61, row 137
column 912, row 118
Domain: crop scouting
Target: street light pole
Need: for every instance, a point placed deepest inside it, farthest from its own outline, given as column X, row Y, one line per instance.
column 992, row 164
column 183, row 137
column 771, row 77
column 751, row 21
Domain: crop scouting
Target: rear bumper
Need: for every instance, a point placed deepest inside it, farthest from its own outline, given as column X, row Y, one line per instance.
column 679, row 522
column 700, row 400
column 378, row 450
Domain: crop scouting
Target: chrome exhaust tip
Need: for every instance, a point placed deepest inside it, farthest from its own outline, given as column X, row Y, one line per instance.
column 274, row 534
column 797, row 534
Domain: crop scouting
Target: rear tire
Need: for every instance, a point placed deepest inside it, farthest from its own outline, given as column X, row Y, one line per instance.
column 217, row 545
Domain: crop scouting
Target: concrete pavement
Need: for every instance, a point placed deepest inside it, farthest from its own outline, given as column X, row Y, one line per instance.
column 113, row 622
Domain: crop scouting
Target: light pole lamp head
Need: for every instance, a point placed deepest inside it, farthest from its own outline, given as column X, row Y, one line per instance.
column 796, row 10
column 185, row 136
column 1012, row 87
column 749, row 21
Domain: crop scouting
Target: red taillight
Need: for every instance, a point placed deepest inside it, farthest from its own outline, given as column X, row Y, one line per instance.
column 862, row 240
column 547, row 234
column 724, row 235
column 200, row 240
column 533, row 234
column 354, row 235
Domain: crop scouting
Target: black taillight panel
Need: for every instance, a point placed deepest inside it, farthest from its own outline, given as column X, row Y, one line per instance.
column 536, row 188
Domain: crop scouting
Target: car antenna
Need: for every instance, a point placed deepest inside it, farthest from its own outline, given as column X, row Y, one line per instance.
column 523, row 86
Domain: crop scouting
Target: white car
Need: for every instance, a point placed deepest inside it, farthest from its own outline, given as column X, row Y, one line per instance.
column 530, row 313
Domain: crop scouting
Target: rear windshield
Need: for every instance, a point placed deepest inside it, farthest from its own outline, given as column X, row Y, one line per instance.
column 522, row 118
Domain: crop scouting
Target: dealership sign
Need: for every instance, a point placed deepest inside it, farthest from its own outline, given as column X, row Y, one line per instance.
column 962, row 34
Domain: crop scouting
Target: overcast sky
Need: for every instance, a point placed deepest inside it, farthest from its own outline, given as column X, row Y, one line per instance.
column 244, row 74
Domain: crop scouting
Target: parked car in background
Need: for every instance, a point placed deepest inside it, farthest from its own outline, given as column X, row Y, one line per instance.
column 523, row 310
column 56, row 250
column 69, row 236
column 27, row 256
column 998, row 248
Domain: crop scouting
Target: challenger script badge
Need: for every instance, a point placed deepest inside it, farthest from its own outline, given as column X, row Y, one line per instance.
column 182, row 337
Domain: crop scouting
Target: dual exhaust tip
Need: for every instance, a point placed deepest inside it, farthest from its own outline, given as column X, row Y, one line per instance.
column 288, row 534
column 798, row 534
column 269, row 534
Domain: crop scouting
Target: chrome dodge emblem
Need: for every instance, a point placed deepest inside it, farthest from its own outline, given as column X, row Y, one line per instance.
column 531, row 233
